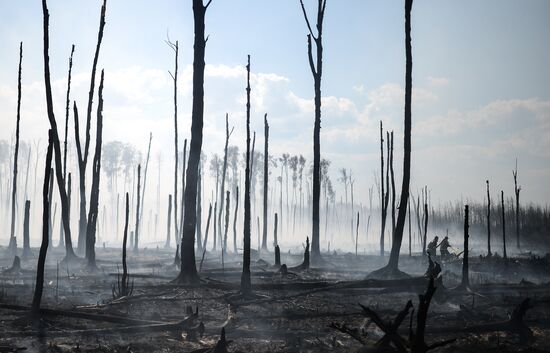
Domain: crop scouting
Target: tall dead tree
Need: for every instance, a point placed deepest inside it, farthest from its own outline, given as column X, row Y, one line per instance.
column 317, row 72
column 39, row 285
column 235, row 219
column 175, row 47
column 199, row 210
column 124, row 283
column 465, row 273
column 517, row 190
column 136, row 231
column 488, row 220
column 67, row 109
column 26, row 239
column 400, row 225
column 13, row 239
column 392, row 178
column 246, row 285
column 69, row 193
column 384, row 196
column 266, row 177
column 207, row 228
column 83, row 155
column 55, row 139
column 503, row 224
column 275, row 244
column 145, row 177
column 227, row 210
column 91, row 226
column 188, row 273
column 224, row 170
column 183, row 187
column 168, row 222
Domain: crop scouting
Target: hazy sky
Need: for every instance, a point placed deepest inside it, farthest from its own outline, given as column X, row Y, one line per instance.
column 481, row 81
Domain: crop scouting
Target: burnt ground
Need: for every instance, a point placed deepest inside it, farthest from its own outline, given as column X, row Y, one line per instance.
column 289, row 313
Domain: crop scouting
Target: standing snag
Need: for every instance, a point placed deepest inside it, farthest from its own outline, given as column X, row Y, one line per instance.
column 488, row 220
column 266, row 177
column 246, row 286
column 517, row 190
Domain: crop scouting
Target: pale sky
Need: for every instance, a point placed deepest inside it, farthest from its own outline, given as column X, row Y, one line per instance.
column 481, row 82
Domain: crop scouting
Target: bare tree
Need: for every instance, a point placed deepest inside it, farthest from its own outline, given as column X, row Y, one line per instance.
column 13, row 239
column 26, row 240
column 488, row 220
column 175, row 47
column 39, row 285
column 227, row 210
column 235, row 219
column 96, row 173
column 188, row 273
column 246, row 286
column 465, row 277
column 55, row 138
column 168, row 222
column 384, row 193
column 145, row 179
column 317, row 72
column 517, row 190
column 266, row 177
column 224, row 169
column 503, row 224
column 199, row 210
column 136, row 231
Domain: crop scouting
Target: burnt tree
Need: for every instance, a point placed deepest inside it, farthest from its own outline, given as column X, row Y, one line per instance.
column 168, row 222
column 317, row 72
column 246, row 286
column 465, row 269
column 145, row 178
column 188, row 273
column 503, row 224
column 55, row 139
column 227, row 210
column 26, row 240
column 82, row 156
column 488, row 220
column 199, row 210
column 39, row 285
column 13, row 239
column 276, row 246
column 224, row 170
column 384, row 195
column 235, row 219
column 517, row 190
column 207, row 227
column 266, row 177
column 183, row 187
column 91, row 226
column 136, row 230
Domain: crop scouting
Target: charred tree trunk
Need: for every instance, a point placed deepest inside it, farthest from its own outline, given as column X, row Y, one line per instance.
column 207, row 228
column 392, row 178
column 96, row 173
column 425, row 240
column 69, row 194
column 199, row 210
column 410, row 215
column 465, row 273
column 124, row 288
column 246, row 286
column 83, row 155
column 50, row 220
column 175, row 47
column 37, row 297
column 383, row 195
column 398, row 238
column 317, row 72
column 26, row 240
column 13, row 239
column 183, row 186
column 168, row 222
column 235, row 220
column 227, row 210
column 275, row 244
column 136, row 231
column 55, row 139
column 266, row 177
column 67, row 109
column 188, row 272
column 488, row 220
column 224, row 170
column 145, row 178
column 503, row 225
column 517, row 190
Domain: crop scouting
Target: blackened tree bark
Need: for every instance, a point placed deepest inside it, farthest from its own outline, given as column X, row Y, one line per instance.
column 207, row 227
column 246, row 286
column 136, row 231
column 175, row 47
column 145, row 177
column 488, row 220
column 69, row 193
column 384, row 197
column 224, row 170
column 465, row 273
column 392, row 178
column 13, row 239
column 39, row 285
column 188, row 273
column 199, row 210
column 503, row 224
column 50, row 220
column 124, row 288
column 168, row 222
column 183, row 187
column 83, row 155
column 317, row 72
column 26, row 240
column 227, row 211
column 91, row 227
column 266, row 177
column 517, row 190
column 398, row 238
column 55, row 139
column 67, row 109
column 235, row 219
column 275, row 244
